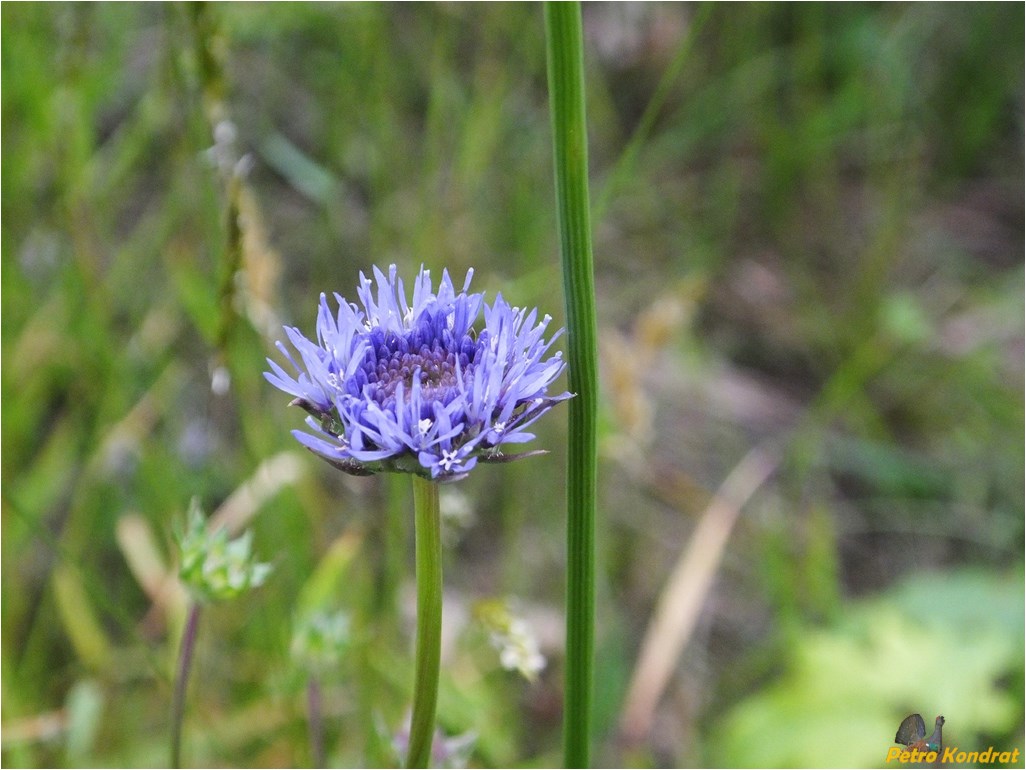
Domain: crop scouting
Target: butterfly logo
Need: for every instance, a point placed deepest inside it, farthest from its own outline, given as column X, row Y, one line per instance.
column 912, row 733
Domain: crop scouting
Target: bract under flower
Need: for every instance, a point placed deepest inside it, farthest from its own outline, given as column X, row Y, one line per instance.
column 411, row 385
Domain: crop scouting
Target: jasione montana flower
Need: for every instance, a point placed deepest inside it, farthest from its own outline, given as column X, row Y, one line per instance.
column 412, row 385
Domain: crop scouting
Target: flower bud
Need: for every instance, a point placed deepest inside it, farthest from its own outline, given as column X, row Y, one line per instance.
column 214, row 568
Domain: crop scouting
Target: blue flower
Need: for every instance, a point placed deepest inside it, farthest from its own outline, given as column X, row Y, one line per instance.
column 412, row 386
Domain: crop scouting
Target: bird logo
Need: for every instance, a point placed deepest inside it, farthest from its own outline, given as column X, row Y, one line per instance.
column 912, row 733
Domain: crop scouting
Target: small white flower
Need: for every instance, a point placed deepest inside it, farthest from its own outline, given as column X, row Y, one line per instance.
column 514, row 639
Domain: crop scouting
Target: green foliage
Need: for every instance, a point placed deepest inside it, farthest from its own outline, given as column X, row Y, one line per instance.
column 935, row 643
column 833, row 192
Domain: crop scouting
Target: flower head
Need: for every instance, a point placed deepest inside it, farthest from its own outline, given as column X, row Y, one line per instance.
column 320, row 638
column 411, row 385
column 214, row 568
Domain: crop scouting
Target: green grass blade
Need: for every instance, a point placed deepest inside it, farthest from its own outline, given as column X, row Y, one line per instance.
column 570, row 142
column 627, row 162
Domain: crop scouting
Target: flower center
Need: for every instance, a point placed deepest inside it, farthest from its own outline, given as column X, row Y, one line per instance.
column 392, row 359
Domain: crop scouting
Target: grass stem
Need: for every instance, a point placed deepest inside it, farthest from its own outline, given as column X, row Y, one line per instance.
column 570, row 143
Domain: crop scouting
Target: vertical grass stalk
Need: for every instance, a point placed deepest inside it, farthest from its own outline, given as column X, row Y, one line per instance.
column 570, row 143
column 428, row 536
column 182, row 682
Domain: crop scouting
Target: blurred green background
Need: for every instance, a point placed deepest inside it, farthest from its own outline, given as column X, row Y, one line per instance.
column 809, row 251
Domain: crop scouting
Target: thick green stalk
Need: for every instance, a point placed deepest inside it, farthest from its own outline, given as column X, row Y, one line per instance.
column 570, row 142
column 428, row 535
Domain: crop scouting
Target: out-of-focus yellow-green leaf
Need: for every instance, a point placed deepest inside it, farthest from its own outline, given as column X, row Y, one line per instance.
column 84, row 708
column 79, row 620
column 324, row 587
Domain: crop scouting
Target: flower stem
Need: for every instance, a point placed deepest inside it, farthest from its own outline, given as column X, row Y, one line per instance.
column 428, row 535
column 182, row 682
column 313, row 715
column 570, row 145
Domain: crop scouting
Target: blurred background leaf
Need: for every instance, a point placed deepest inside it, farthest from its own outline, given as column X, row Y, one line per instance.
column 948, row 640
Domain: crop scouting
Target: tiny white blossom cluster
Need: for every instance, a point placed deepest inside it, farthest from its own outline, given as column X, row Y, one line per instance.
column 518, row 650
column 320, row 639
column 513, row 637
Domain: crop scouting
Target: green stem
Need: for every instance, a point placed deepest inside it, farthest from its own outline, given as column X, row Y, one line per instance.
column 315, row 720
column 570, row 144
column 182, row 682
column 428, row 535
